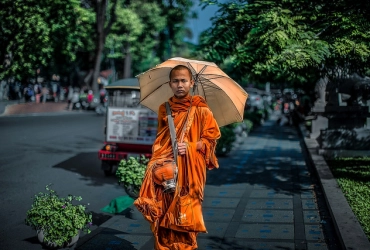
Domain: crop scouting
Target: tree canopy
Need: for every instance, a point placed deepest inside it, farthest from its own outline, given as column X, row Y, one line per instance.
column 291, row 41
column 35, row 33
column 84, row 36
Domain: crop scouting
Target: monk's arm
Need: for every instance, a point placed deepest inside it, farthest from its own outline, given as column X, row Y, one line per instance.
column 210, row 131
column 209, row 134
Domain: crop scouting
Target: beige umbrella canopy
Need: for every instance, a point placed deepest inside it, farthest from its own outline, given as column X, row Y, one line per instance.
column 224, row 96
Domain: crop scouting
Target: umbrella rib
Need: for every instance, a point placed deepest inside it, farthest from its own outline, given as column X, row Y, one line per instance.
column 212, row 85
column 154, row 91
column 200, row 73
column 205, row 97
column 208, row 76
column 191, row 68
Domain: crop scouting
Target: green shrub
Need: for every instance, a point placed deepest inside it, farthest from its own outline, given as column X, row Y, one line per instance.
column 254, row 117
column 353, row 177
column 58, row 217
column 131, row 172
column 224, row 144
column 249, row 125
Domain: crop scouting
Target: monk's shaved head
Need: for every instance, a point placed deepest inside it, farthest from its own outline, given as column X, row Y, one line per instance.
column 180, row 67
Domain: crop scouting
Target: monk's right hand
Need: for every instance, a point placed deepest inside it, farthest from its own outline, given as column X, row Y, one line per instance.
column 181, row 148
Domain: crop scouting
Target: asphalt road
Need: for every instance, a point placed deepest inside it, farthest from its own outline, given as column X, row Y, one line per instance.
column 39, row 150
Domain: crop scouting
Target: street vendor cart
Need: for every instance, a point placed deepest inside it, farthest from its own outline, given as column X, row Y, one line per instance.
column 130, row 127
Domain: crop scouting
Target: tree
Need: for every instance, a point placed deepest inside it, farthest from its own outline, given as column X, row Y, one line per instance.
column 34, row 34
column 171, row 38
column 147, row 32
column 134, row 36
column 290, row 40
column 103, row 26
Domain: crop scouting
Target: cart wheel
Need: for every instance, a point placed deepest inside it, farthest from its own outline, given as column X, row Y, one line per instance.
column 132, row 191
column 107, row 168
column 108, row 172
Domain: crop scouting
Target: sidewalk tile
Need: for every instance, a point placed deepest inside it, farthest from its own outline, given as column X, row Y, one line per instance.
column 314, row 232
column 316, row 246
column 215, row 229
column 220, row 202
column 256, row 245
column 266, row 231
column 272, row 216
column 216, row 214
column 264, row 203
column 270, row 193
column 311, row 216
column 309, row 204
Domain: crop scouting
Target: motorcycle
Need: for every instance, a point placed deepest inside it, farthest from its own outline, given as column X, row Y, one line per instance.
column 101, row 109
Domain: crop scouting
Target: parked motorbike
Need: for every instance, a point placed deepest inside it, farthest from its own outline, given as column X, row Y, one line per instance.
column 101, row 109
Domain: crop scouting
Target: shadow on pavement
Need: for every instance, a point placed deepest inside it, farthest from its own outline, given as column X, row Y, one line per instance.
column 107, row 239
column 99, row 218
column 270, row 167
column 87, row 165
column 33, row 240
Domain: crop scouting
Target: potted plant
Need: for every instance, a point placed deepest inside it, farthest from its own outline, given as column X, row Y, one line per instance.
column 57, row 220
column 131, row 173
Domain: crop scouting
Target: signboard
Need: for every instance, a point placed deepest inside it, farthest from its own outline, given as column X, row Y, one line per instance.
column 132, row 126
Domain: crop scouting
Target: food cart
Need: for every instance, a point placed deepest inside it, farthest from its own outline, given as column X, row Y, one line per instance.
column 130, row 128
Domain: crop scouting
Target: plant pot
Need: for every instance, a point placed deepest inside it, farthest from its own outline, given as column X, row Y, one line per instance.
column 52, row 245
column 132, row 191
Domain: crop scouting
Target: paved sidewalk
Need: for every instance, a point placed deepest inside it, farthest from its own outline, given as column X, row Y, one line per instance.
column 30, row 108
column 264, row 196
column 5, row 103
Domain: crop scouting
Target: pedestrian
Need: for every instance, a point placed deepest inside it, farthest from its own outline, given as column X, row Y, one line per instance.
column 75, row 99
column 102, row 94
column 90, row 96
column 29, row 93
column 176, row 217
column 69, row 96
column 45, row 92
column 37, row 90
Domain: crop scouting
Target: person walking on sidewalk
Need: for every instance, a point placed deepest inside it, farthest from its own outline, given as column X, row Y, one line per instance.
column 69, row 96
column 44, row 92
column 176, row 218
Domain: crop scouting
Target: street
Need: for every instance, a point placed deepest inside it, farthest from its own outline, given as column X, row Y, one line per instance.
column 262, row 195
column 38, row 150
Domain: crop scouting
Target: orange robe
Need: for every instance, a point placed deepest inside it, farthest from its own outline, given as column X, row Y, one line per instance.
column 162, row 209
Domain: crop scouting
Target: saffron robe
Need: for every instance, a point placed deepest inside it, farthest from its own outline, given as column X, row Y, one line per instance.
column 161, row 209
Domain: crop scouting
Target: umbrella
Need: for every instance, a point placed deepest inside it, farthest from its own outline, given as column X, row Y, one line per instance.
column 224, row 96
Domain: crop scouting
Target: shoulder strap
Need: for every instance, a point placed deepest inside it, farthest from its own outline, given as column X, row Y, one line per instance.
column 172, row 131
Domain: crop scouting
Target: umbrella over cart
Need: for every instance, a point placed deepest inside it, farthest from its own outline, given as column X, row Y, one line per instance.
column 224, row 96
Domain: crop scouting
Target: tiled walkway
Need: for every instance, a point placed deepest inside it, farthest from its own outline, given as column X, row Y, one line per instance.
column 264, row 196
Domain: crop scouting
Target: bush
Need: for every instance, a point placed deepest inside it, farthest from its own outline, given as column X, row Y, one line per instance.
column 58, row 217
column 353, row 175
column 248, row 125
column 224, row 144
column 131, row 173
column 254, row 117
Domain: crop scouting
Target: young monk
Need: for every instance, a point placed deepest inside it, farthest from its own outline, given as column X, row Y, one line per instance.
column 176, row 218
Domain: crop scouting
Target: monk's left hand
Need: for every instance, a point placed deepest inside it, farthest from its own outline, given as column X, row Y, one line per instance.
column 182, row 148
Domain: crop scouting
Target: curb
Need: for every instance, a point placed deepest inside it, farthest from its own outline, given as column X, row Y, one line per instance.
column 5, row 104
column 347, row 227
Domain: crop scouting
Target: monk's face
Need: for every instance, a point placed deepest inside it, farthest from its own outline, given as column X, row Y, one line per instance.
column 181, row 82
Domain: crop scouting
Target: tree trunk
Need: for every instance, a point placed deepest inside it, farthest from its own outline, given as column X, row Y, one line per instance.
column 127, row 63
column 101, row 7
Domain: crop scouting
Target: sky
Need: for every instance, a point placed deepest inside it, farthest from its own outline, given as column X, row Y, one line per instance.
column 203, row 22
